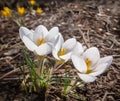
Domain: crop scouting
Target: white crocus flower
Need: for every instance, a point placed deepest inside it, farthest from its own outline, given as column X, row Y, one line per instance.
column 90, row 65
column 63, row 50
column 40, row 40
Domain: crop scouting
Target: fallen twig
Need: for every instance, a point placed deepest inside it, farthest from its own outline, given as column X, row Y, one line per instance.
column 9, row 73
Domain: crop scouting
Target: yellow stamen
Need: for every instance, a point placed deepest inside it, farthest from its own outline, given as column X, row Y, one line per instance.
column 62, row 52
column 40, row 41
column 88, row 63
column 21, row 10
column 38, row 10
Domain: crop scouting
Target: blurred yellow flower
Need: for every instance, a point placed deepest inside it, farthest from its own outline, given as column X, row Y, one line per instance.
column 6, row 12
column 21, row 10
column 39, row 10
column 3, row 13
column 32, row 2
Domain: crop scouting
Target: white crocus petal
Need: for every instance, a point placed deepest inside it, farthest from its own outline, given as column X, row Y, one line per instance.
column 57, row 48
column 55, row 54
column 99, row 69
column 92, row 54
column 52, row 34
column 107, row 59
column 32, row 30
column 69, row 44
column 29, row 44
column 37, row 37
column 87, row 78
column 66, row 57
column 78, row 50
column 41, row 30
column 57, row 37
column 43, row 49
column 61, row 37
column 58, row 43
column 79, row 63
column 23, row 31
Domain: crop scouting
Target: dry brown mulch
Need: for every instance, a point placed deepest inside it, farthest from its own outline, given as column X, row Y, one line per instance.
column 93, row 23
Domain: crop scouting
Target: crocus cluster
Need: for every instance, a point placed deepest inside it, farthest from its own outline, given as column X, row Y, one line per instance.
column 21, row 10
column 87, row 62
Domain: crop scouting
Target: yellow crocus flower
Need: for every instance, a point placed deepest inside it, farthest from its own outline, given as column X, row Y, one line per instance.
column 21, row 10
column 3, row 13
column 39, row 10
column 6, row 12
column 32, row 2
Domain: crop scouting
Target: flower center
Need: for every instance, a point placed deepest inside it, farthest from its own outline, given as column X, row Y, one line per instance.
column 62, row 52
column 40, row 41
column 88, row 63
